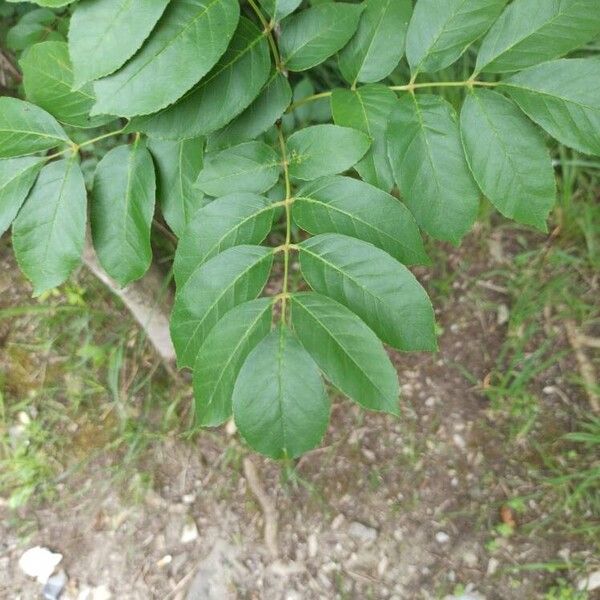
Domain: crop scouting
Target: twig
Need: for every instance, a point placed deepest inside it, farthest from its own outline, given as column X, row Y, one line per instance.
column 142, row 303
column 7, row 67
column 586, row 368
column 590, row 342
column 266, row 505
column 181, row 584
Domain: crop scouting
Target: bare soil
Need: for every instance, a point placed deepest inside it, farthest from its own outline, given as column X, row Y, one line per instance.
column 387, row 509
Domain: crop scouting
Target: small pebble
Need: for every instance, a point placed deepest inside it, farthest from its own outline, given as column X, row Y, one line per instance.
column 470, row 559
column 336, row 523
column 189, row 533
column 590, row 583
column 441, row 537
column 492, row 567
column 361, row 532
column 39, row 562
column 55, row 586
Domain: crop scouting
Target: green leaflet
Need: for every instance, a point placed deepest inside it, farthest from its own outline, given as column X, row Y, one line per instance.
column 508, row 158
column 381, row 291
column 187, row 42
column 378, row 44
column 351, row 207
column 249, row 167
column 101, row 36
column 430, row 168
column 222, row 95
column 532, row 31
column 221, row 356
column 313, row 35
column 234, row 276
column 439, row 33
column 563, row 97
column 324, row 150
column 48, row 82
column 278, row 9
column 177, row 167
column 347, row 351
column 31, row 28
column 270, row 104
column 17, row 175
column 279, row 401
column 27, row 129
column 368, row 109
column 236, row 219
column 49, row 231
column 121, row 212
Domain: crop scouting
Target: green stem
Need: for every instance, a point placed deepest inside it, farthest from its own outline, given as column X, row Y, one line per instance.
column 102, row 137
column 76, row 147
column 295, row 105
column 287, row 247
column 409, row 87
column 268, row 31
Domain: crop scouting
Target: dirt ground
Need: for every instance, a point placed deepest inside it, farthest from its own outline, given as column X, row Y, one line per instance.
column 416, row 507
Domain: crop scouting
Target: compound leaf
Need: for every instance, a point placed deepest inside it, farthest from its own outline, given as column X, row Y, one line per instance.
column 508, row 158
column 368, row 109
column 177, row 167
column 17, row 175
column 249, row 167
column 186, row 43
column 48, row 82
column 279, row 401
column 430, row 167
column 563, row 97
column 229, row 221
column 367, row 280
column 532, row 31
column 438, row 34
column 122, row 210
column 357, row 209
column 49, row 231
column 221, row 356
column 313, row 35
column 27, row 129
column 104, row 34
column 346, row 350
column 378, row 44
column 323, row 150
column 234, row 276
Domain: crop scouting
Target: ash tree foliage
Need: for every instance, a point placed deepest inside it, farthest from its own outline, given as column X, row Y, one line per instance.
column 264, row 177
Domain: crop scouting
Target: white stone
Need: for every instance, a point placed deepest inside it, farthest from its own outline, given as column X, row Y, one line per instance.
column 503, row 314
column 470, row 559
column 442, row 537
column 492, row 567
column 336, row 523
column 590, row 583
column 189, row 533
column 361, row 532
column 459, row 441
column 101, row 593
column 39, row 562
